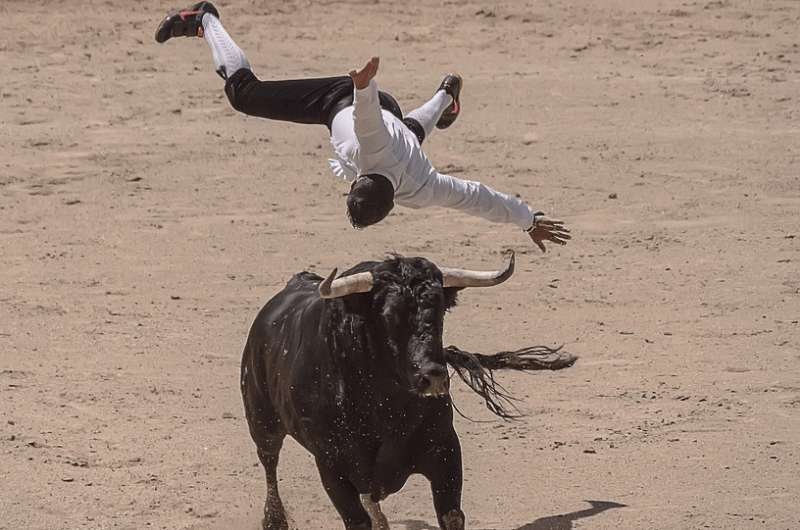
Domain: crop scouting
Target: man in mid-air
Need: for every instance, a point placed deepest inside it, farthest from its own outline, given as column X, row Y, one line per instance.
column 377, row 149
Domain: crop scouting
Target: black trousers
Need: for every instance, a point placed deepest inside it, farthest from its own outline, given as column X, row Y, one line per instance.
column 312, row 101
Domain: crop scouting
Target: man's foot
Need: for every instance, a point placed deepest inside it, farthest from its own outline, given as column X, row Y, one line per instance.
column 186, row 22
column 451, row 85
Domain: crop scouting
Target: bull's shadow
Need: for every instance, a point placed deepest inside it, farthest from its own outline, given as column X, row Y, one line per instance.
column 552, row 522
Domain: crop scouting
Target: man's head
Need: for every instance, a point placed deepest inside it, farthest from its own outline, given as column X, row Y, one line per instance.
column 371, row 198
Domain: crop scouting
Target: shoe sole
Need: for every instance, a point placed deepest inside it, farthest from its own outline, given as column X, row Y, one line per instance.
column 164, row 32
column 451, row 113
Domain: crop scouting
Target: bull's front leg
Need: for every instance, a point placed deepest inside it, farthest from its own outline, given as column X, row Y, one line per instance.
column 443, row 469
column 345, row 499
column 447, row 502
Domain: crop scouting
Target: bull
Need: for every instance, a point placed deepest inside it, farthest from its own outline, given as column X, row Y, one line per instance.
column 354, row 369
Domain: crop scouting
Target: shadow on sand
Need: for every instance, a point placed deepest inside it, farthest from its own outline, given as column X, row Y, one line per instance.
column 552, row 522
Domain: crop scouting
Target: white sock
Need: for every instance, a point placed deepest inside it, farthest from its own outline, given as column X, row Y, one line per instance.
column 228, row 57
column 429, row 113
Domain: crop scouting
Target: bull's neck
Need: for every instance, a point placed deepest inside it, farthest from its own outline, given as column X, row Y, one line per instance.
column 369, row 388
column 394, row 412
column 371, row 393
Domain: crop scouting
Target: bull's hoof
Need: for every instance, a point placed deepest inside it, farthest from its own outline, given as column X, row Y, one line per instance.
column 453, row 520
column 274, row 523
column 359, row 526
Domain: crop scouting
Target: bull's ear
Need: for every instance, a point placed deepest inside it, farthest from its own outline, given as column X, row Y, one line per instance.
column 451, row 296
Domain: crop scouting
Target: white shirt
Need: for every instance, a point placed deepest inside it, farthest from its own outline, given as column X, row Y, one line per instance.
column 368, row 139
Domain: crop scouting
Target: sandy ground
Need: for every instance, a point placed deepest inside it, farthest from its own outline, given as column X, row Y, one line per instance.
column 143, row 223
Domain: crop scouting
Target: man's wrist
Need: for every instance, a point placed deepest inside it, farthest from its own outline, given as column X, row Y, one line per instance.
column 534, row 221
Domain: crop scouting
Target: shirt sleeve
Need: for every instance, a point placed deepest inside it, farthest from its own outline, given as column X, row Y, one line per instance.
column 478, row 199
column 373, row 137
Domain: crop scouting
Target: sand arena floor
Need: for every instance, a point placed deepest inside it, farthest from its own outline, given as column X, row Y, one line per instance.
column 143, row 222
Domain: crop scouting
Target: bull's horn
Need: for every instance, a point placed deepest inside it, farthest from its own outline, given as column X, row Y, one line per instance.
column 355, row 283
column 467, row 278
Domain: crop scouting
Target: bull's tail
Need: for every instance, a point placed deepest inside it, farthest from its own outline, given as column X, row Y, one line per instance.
column 477, row 371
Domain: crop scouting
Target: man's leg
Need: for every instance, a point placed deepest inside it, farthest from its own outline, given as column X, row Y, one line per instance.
column 228, row 57
column 301, row 101
column 440, row 111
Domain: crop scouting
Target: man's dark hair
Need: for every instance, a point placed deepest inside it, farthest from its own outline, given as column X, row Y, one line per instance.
column 371, row 198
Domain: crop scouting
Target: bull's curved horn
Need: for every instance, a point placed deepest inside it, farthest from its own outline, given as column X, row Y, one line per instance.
column 467, row 278
column 355, row 283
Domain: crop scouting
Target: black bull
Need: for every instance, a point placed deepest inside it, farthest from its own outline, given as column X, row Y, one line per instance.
column 354, row 369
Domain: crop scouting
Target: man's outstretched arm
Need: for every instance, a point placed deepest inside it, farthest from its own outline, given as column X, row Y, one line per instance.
column 480, row 200
column 373, row 138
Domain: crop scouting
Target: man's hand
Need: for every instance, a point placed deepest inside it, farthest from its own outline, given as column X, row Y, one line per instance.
column 546, row 229
column 361, row 78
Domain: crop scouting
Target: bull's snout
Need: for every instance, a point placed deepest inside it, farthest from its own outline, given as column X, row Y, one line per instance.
column 433, row 381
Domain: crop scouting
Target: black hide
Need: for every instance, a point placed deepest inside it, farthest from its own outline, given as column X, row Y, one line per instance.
column 338, row 376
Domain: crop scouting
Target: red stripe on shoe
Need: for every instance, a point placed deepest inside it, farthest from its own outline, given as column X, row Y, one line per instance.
column 185, row 14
